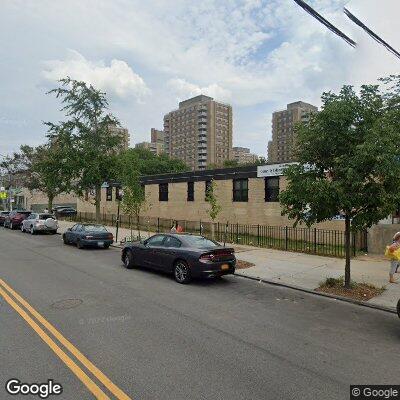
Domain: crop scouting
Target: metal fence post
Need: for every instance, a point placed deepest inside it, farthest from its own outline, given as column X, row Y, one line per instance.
column 237, row 232
column 258, row 235
column 286, row 237
column 158, row 225
column 315, row 240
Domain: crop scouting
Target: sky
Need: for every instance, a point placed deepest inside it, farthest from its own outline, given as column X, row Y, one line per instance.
column 257, row 55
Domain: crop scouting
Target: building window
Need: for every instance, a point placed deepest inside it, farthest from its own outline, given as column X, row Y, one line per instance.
column 272, row 189
column 109, row 193
column 190, row 191
column 240, row 189
column 207, row 188
column 163, row 192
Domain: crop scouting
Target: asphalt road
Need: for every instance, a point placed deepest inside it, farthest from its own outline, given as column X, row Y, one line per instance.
column 155, row 339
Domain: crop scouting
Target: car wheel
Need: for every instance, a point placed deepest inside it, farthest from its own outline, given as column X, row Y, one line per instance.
column 11, row 226
column 79, row 244
column 106, row 246
column 32, row 230
column 182, row 272
column 398, row 308
column 129, row 260
column 64, row 238
column 22, row 228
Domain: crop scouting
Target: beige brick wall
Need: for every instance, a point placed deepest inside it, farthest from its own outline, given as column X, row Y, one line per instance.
column 255, row 211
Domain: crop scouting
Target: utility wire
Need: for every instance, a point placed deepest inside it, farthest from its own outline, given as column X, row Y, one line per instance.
column 371, row 33
column 325, row 22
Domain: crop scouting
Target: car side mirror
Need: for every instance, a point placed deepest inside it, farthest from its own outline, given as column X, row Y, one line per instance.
column 69, row 229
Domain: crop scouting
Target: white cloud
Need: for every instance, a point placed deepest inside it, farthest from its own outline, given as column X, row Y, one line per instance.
column 257, row 55
column 118, row 78
column 184, row 90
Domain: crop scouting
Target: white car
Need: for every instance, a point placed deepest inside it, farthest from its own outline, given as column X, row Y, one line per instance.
column 40, row 222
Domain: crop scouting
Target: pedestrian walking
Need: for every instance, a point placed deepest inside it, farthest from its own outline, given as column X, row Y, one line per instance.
column 173, row 228
column 393, row 253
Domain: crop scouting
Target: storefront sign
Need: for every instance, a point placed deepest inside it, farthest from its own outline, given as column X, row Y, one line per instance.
column 272, row 170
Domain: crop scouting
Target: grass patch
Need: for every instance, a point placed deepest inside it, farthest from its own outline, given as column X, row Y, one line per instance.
column 358, row 291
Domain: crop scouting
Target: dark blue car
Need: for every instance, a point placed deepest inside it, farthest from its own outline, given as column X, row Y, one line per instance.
column 185, row 256
column 88, row 235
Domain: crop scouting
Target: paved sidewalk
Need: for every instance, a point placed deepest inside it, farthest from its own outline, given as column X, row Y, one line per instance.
column 303, row 270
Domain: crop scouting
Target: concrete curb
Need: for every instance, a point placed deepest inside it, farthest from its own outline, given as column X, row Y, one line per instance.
column 391, row 310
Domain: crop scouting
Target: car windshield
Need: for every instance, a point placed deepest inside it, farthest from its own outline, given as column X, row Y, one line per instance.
column 24, row 212
column 45, row 216
column 200, row 242
column 95, row 228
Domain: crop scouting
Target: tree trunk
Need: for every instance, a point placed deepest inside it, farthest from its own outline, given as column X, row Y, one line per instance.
column 138, row 225
column 347, row 244
column 97, row 202
column 50, row 199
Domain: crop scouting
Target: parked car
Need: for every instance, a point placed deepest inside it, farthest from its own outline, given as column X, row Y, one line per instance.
column 15, row 218
column 88, row 235
column 64, row 211
column 40, row 222
column 186, row 256
column 3, row 215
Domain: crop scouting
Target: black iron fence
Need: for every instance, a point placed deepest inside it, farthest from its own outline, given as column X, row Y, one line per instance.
column 306, row 240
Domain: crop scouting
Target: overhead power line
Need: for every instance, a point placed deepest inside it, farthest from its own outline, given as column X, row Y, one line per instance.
column 371, row 33
column 325, row 22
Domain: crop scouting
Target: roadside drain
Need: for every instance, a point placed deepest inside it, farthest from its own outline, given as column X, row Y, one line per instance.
column 66, row 304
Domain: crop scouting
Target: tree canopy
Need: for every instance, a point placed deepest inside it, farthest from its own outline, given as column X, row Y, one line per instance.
column 349, row 160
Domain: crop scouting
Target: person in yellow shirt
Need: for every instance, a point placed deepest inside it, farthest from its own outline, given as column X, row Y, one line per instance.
column 394, row 264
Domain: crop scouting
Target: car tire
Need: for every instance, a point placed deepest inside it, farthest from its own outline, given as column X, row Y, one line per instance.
column 106, row 246
column 129, row 261
column 79, row 244
column 22, row 228
column 182, row 272
column 11, row 226
column 32, row 230
column 398, row 308
column 65, row 241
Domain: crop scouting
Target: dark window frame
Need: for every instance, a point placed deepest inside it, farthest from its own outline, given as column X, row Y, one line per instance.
column 241, row 193
column 190, row 191
column 271, row 191
column 109, row 193
column 163, row 192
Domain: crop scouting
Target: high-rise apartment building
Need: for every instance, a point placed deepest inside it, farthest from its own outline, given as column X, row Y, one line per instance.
column 123, row 133
column 243, row 156
column 199, row 132
column 155, row 148
column 280, row 148
column 158, row 138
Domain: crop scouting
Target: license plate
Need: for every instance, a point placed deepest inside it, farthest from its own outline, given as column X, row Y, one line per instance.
column 224, row 267
column 100, row 243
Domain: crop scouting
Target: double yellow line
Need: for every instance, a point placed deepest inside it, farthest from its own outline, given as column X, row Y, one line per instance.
column 29, row 314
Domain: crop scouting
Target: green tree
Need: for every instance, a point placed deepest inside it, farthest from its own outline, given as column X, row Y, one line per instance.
column 134, row 163
column 88, row 128
column 352, row 150
column 215, row 208
column 48, row 167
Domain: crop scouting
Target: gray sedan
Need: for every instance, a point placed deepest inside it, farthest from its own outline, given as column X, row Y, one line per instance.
column 40, row 222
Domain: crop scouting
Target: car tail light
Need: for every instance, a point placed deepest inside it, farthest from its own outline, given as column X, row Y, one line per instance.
column 110, row 236
column 207, row 257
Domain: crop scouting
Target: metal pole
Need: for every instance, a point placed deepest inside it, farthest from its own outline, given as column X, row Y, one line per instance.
column 116, row 232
